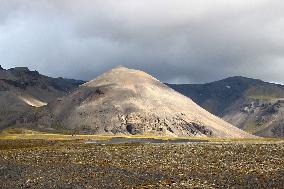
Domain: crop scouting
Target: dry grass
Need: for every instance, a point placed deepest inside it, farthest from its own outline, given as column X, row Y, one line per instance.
column 25, row 134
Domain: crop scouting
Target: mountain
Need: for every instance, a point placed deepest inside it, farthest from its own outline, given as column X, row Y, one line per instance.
column 250, row 104
column 127, row 101
column 22, row 90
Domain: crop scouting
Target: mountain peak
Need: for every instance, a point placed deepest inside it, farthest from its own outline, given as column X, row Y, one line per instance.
column 122, row 76
column 128, row 101
column 240, row 79
column 120, row 67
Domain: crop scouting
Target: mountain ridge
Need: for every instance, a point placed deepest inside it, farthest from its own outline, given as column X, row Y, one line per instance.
column 244, row 102
column 22, row 91
column 234, row 98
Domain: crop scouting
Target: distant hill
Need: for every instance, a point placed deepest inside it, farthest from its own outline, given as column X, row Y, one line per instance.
column 126, row 101
column 250, row 104
column 21, row 90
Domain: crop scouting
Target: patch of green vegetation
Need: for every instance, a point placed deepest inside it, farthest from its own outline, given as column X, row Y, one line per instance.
column 261, row 97
column 264, row 92
column 251, row 127
column 18, row 131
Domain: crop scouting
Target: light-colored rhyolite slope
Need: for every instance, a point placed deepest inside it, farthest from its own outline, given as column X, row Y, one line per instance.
column 127, row 101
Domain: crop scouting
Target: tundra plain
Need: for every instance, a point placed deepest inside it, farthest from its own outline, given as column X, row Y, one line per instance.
column 60, row 161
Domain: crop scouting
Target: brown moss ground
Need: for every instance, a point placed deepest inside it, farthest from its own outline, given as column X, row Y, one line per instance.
column 72, row 164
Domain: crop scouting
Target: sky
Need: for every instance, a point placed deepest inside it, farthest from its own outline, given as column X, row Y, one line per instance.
column 177, row 41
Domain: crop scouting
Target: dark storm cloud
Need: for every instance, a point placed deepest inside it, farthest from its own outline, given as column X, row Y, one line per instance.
column 174, row 40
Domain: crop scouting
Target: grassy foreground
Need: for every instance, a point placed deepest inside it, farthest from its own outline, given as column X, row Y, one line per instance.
column 25, row 134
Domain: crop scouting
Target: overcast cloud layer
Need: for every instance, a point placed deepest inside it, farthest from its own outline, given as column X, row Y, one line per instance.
column 177, row 41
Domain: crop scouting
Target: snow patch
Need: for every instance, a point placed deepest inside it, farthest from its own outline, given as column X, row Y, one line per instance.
column 32, row 101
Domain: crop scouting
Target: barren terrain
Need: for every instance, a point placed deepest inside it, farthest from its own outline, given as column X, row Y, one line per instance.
column 75, row 164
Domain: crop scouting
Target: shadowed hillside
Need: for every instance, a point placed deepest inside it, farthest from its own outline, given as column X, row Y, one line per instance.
column 23, row 91
column 252, row 105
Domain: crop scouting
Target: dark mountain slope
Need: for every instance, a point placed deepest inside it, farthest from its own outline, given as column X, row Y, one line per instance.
column 250, row 104
column 22, row 91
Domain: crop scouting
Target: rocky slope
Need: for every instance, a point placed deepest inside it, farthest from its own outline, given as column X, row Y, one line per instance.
column 22, row 91
column 252, row 105
column 126, row 101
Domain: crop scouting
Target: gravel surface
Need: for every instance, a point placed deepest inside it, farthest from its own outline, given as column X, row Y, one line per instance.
column 71, row 164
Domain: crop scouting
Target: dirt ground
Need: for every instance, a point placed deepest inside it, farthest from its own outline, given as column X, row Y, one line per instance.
column 74, row 164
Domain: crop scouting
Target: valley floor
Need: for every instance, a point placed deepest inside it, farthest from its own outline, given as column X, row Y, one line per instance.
column 75, row 164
